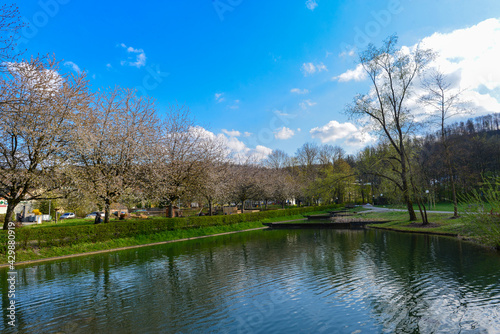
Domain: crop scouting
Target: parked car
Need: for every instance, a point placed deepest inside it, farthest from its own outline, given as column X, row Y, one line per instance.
column 93, row 214
column 67, row 215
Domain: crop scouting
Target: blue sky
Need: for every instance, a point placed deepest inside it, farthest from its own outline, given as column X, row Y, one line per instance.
column 264, row 74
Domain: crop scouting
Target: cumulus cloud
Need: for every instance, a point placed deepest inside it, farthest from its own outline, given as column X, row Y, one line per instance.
column 468, row 57
column 232, row 133
column 73, row 66
column 284, row 133
column 236, row 149
column 42, row 80
column 358, row 74
column 299, row 91
column 311, row 4
column 347, row 132
column 137, row 57
column 310, row 68
column 260, row 152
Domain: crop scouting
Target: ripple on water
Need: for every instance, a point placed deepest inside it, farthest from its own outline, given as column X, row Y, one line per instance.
column 277, row 281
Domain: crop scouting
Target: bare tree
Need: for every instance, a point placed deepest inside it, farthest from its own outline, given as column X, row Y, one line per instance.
column 446, row 102
column 112, row 143
column 307, row 154
column 328, row 154
column 244, row 183
column 38, row 106
column 182, row 155
column 392, row 73
column 277, row 159
column 10, row 24
column 214, row 183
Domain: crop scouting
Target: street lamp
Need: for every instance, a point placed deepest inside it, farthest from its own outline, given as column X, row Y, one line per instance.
column 428, row 199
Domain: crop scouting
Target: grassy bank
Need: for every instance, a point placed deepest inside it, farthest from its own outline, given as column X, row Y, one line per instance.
column 439, row 223
column 37, row 249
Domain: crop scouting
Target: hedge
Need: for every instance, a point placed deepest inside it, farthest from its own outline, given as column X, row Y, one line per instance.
column 70, row 235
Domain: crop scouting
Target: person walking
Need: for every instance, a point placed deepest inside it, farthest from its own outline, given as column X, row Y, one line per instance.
column 97, row 218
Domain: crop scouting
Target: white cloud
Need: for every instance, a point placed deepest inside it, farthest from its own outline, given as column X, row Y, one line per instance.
column 235, row 149
column 299, row 91
column 284, row 133
column 347, row 132
column 350, row 53
column 307, row 103
column 283, row 113
column 232, row 133
column 260, row 152
column 358, row 74
column 74, row 66
column 310, row 68
column 236, row 145
column 219, row 97
column 247, row 134
column 42, row 80
column 140, row 56
column 311, row 4
column 469, row 57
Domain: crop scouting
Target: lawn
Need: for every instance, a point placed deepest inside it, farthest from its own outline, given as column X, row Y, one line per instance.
column 35, row 253
column 443, row 206
column 439, row 223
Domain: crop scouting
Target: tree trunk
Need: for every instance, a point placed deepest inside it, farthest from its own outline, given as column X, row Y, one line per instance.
column 242, row 206
column 406, row 188
column 8, row 214
column 210, row 207
column 455, row 203
column 107, row 205
column 265, row 204
column 282, row 204
column 171, row 209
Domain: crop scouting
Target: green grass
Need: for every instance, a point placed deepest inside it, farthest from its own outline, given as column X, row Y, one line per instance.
column 47, row 252
column 35, row 254
column 440, row 224
column 443, row 206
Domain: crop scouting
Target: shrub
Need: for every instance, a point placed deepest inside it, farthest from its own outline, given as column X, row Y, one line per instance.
column 482, row 209
column 70, row 235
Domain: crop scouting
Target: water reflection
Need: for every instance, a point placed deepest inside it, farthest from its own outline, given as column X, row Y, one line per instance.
column 268, row 281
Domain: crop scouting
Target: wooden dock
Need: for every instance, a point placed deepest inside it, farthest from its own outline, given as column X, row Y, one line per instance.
column 326, row 224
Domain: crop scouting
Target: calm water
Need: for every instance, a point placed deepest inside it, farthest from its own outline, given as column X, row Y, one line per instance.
column 310, row 281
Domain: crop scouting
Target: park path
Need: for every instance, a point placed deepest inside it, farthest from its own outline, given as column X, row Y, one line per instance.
column 372, row 208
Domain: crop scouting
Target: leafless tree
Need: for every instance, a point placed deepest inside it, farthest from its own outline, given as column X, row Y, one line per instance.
column 37, row 117
column 244, row 186
column 112, row 142
column 307, row 155
column 10, row 24
column 182, row 155
column 277, row 159
column 214, row 182
column 328, row 154
column 392, row 73
column 446, row 102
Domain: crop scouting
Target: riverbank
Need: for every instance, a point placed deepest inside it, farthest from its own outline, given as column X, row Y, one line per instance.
column 46, row 252
column 440, row 223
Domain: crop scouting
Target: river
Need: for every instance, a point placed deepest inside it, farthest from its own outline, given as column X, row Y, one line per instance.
column 267, row 281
